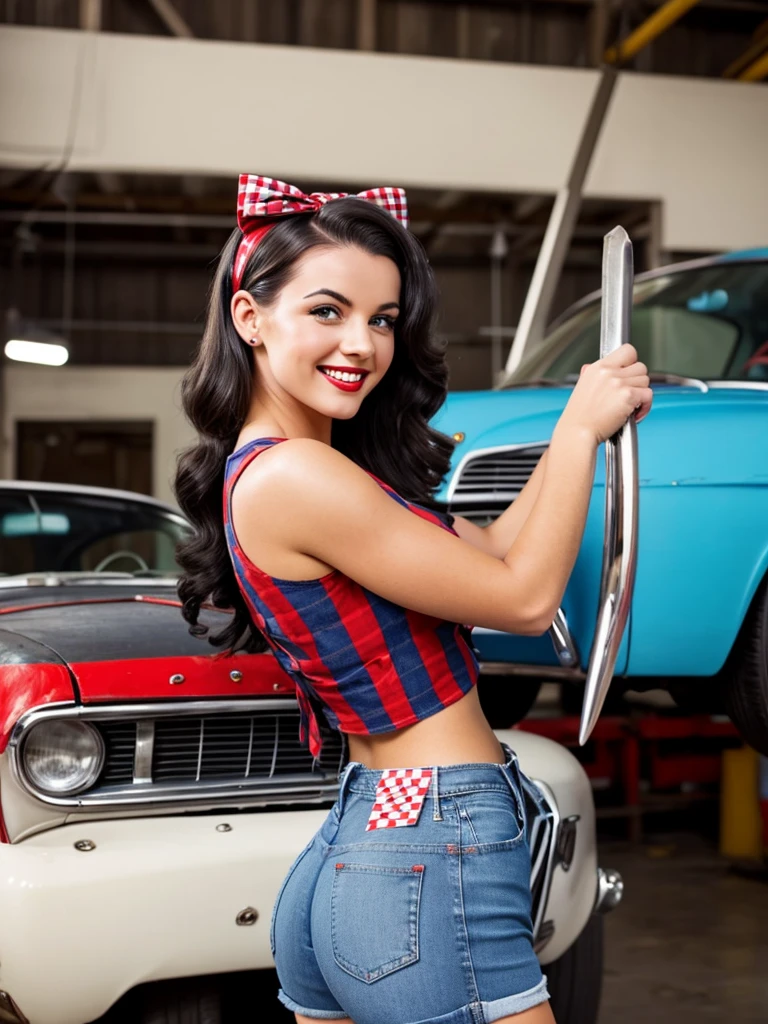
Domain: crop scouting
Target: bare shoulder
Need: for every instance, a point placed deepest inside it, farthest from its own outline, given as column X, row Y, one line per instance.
column 296, row 483
column 299, row 465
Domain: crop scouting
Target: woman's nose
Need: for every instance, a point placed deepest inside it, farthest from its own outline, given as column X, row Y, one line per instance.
column 357, row 339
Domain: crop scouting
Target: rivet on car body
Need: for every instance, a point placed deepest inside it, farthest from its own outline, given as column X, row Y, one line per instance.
column 248, row 916
column 236, row 675
column 176, row 679
column 224, row 827
column 85, row 845
column 277, row 686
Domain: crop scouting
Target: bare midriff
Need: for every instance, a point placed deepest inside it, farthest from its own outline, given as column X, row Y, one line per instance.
column 459, row 734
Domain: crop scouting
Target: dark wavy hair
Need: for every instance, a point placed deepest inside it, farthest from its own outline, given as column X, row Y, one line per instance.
column 389, row 436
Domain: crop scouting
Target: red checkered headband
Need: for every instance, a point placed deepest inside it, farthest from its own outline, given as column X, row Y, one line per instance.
column 261, row 202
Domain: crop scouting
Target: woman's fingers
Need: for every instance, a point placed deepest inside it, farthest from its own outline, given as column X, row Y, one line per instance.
column 635, row 369
column 624, row 355
column 644, row 406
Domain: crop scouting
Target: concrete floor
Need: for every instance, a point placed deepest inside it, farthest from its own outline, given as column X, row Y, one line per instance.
column 689, row 943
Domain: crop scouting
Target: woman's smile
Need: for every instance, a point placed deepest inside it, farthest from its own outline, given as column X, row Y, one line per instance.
column 344, row 378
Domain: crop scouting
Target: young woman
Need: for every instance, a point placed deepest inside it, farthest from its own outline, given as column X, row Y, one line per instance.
column 312, row 394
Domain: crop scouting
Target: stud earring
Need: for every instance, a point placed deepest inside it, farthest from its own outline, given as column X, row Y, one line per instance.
column 254, row 340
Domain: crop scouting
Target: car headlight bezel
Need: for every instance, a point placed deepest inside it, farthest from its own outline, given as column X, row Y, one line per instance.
column 79, row 732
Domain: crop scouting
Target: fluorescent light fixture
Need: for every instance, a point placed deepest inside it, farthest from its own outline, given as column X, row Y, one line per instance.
column 36, row 352
column 28, row 342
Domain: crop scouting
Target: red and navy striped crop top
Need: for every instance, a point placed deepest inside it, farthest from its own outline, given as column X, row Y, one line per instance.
column 365, row 664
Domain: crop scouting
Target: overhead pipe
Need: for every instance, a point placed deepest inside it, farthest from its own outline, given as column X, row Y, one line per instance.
column 756, row 72
column 650, row 29
column 758, row 47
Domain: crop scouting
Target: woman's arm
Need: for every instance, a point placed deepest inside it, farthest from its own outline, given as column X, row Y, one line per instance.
column 304, row 499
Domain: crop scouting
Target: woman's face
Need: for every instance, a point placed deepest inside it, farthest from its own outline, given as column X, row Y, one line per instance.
column 329, row 337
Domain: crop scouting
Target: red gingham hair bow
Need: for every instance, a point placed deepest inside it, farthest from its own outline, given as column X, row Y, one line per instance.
column 259, row 198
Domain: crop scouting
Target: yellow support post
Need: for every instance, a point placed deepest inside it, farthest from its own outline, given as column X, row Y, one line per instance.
column 756, row 72
column 740, row 822
column 658, row 22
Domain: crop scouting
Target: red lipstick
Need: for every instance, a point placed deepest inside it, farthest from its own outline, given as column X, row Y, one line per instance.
column 344, row 385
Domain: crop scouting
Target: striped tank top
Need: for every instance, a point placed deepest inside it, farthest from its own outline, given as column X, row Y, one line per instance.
column 359, row 663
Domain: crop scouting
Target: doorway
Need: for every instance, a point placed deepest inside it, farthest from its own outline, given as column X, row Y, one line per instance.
column 108, row 453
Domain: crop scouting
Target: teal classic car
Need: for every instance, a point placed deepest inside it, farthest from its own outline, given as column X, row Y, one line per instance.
column 698, row 623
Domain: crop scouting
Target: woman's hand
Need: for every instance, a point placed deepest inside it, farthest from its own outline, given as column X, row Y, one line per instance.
column 607, row 393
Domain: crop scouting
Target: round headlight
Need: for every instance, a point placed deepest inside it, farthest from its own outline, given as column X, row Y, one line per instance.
column 63, row 757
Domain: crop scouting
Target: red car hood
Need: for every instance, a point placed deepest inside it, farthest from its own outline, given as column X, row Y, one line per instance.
column 77, row 645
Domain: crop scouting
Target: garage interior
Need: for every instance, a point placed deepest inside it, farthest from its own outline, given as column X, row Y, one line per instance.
column 117, row 262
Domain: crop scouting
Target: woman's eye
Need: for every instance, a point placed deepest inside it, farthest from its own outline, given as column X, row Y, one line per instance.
column 325, row 312
column 387, row 322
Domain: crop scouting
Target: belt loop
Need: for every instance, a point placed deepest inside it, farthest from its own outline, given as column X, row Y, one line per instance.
column 346, row 775
column 436, row 814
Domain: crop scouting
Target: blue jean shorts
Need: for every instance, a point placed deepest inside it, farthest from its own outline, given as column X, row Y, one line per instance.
column 424, row 924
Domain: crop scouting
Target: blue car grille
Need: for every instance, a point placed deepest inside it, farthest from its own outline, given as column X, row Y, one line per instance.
column 489, row 481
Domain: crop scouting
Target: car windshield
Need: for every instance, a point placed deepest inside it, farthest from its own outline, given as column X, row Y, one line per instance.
column 709, row 322
column 49, row 531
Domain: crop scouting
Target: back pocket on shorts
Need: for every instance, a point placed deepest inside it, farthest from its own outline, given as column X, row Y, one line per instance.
column 375, row 918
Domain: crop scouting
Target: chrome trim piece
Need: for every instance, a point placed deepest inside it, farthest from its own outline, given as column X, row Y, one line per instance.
column 62, row 579
column 204, row 794
column 675, row 378
column 610, row 890
column 565, row 646
column 738, row 385
column 200, row 750
column 145, row 747
column 547, row 852
column 621, row 493
column 553, row 672
column 477, row 453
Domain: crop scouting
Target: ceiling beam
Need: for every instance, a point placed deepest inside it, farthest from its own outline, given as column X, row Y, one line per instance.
column 90, row 15
column 650, row 29
column 758, row 47
column 171, row 18
column 366, row 24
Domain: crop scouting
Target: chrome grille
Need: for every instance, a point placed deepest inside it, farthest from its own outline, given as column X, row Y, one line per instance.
column 198, row 754
column 236, row 747
column 489, row 480
column 120, row 748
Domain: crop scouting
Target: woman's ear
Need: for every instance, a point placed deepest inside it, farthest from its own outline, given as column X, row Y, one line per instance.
column 245, row 315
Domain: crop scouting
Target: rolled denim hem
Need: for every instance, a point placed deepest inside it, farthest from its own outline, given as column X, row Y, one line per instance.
column 307, row 1012
column 498, row 1008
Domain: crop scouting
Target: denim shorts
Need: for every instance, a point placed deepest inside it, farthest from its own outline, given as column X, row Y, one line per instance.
column 424, row 924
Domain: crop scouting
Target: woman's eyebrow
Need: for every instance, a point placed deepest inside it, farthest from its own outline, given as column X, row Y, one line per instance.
column 346, row 302
column 333, row 295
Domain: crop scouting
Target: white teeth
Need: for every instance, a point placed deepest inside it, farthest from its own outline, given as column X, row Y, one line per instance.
column 351, row 378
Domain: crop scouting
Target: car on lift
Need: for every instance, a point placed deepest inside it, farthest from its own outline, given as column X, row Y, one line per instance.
column 153, row 793
column 698, row 624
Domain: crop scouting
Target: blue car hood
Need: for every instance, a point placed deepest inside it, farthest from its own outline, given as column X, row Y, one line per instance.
column 691, row 436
